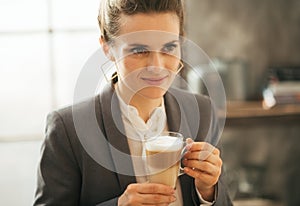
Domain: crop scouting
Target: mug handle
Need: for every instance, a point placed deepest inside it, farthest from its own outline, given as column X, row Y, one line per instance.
column 187, row 145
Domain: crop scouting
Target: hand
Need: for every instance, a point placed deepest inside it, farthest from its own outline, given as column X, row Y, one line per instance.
column 203, row 162
column 147, row 194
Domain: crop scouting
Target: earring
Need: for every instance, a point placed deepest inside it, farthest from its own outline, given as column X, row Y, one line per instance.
column 180, row 67
column 109, row 75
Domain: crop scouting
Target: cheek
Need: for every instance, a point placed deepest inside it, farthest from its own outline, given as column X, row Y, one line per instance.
column 173, row 64
column 127, row 66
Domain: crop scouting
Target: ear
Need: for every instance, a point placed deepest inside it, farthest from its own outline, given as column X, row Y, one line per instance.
column 106, row 49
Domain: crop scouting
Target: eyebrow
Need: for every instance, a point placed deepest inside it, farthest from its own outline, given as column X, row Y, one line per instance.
column 138, row 45
column 171, row 42
column 146, row 46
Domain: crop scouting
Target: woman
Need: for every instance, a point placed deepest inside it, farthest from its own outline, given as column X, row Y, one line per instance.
column 139, row 103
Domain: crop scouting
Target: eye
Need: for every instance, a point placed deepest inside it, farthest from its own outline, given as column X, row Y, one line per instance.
column 139, row 51
column 169, row 48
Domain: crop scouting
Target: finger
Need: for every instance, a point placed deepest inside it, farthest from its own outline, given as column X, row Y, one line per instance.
column 157, row 199
column 149, row 199
column 204, row 156
column 206, row 179
column 138, row 194
column 153, row 188
column 198, row 155
column 203, row 166
column 189, row 142
column 200, row 175
column 197, row 174
column 204, row 146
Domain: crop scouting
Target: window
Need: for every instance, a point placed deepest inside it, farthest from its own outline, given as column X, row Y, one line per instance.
column 43, row 46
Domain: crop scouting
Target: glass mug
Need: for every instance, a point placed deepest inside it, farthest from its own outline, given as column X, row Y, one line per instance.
column 163, row 155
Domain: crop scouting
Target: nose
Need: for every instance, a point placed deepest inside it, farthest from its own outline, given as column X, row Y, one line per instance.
column 155, row 63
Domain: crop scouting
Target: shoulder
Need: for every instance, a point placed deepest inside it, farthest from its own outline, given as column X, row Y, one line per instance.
column 82, row 116
column 66, row 112
column 67, row 127
column 91, row 104
column 66, row 120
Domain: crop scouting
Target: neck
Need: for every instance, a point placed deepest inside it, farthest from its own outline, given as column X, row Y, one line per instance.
column 144, row 105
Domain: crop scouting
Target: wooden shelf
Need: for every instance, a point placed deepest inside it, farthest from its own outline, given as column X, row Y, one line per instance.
column 251, row 109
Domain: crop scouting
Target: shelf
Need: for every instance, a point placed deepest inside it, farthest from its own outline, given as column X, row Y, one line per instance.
column 252, row 109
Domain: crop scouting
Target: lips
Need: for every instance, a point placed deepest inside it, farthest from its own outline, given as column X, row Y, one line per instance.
column 154, row 80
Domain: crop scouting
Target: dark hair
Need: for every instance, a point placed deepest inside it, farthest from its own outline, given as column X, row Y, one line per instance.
column 110, row 12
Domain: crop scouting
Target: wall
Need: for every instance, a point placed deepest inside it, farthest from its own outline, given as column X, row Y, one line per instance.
column 262, row 33
column 260, row 157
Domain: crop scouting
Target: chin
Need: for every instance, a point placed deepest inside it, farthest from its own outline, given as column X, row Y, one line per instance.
column 152, row 92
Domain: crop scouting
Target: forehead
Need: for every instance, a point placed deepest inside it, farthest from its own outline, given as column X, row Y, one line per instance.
column 166, row 22
column 152, row 39
column 154, row 29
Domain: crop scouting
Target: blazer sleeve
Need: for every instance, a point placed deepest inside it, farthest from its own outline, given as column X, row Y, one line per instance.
column 112, row 202
column 59, row 178
column 222, row 197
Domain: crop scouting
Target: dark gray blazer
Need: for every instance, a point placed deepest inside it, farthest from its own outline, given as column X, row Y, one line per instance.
column 78, row 157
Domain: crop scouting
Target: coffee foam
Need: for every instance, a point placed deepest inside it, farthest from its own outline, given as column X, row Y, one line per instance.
column 164, row 143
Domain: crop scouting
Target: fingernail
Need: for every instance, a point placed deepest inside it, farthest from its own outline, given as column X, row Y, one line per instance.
column 173, row 199
column 189, row 146
column 172, row 191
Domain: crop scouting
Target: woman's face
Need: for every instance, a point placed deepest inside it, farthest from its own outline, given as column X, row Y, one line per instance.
column 147, row 53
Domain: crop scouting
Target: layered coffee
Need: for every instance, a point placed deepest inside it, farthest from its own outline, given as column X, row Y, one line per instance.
column 163, row 159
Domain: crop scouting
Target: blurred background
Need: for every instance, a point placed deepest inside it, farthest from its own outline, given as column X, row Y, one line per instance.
column 43, row 46
column 254, row 44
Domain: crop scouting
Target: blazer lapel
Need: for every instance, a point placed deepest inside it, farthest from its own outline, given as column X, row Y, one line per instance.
column 176, row 116
column 116, row 137
column 173, row 112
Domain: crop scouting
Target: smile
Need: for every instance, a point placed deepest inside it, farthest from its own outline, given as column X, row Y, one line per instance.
column 154, row 81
